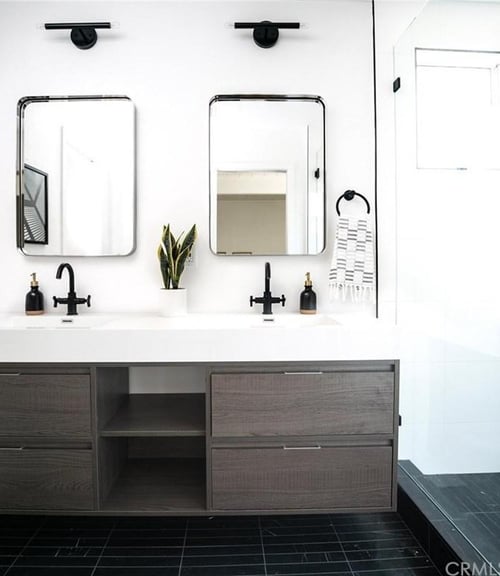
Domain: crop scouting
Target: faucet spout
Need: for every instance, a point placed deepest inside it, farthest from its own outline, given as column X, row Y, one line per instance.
column 72, row 300
column 70, row 272
column 267, row 299
column 267, row 277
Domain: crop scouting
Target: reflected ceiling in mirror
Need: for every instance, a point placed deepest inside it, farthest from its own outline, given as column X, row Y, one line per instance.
column 267, row 175
column 76, row 176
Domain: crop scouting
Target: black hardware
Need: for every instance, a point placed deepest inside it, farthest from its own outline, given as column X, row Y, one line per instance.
column 83, row 34
column 349, row 195
column 267, row 299
column 266, row 33
column 72, row 301
column 400, row 420
column 317, row 173
column 396, row 85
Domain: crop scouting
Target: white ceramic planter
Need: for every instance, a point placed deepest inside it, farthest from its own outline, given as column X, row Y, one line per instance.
column 173, row 302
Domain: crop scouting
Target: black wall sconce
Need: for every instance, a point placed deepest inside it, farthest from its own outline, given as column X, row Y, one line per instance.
column 83, row 35
column 266, row 33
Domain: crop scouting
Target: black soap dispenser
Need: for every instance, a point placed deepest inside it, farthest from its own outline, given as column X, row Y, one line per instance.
column 34, row 298
column 308, row 297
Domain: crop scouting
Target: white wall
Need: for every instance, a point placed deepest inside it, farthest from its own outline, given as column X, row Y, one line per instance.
column 171, row 58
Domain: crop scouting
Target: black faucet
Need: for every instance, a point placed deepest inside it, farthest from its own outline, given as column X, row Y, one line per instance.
column 267, row 298
column 72, row 301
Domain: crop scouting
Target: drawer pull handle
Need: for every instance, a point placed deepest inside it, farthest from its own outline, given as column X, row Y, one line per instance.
column 7, row 374
column 303, row 373
column 11, row 448
column 301, row 447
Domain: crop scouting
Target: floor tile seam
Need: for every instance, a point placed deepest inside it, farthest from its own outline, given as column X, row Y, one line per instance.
column 377, row 529
column 186, row 529
column 389, row 558
column 334, row 529
column 421, row 546
column 263, row 550
column 257, row 543
column 25, row 546
column 103, row 548
column 420, row 559
column 495, row 512
column 216, row 555
column 387, row 539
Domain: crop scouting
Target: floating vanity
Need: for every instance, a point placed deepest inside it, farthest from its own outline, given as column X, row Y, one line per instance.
column 297, row 415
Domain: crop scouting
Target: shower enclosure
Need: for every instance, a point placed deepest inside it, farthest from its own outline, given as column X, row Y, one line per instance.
column 448, row 265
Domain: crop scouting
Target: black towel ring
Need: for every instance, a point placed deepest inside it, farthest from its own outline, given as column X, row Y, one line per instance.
column 349, row 195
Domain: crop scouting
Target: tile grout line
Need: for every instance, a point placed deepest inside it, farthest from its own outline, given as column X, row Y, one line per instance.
column 341, row 545
column 26, row 545
column 103, row 548
column 417, row 541
column 262, row 547
column 183, row 546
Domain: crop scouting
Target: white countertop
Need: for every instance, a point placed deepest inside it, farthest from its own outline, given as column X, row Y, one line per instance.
column 194, row 338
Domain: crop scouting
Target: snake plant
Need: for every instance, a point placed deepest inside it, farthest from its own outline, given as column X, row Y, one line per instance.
column 173, row 254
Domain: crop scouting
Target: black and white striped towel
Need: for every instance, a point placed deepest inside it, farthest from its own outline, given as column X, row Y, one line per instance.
column 352, row 271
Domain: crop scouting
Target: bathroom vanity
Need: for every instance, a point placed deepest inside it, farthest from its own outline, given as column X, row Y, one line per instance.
column 290, row 435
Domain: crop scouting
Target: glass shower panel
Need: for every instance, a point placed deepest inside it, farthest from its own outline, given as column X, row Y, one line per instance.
column 448, row 207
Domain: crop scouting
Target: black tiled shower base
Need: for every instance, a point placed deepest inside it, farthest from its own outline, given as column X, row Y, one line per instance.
column 470, row 501
column 341, row 545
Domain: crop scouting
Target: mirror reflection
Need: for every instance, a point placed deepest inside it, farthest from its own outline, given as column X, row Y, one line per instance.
column 267, row 194
column 76, row 176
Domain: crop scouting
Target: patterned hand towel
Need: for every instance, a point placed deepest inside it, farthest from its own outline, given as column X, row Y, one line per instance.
column 352, row 271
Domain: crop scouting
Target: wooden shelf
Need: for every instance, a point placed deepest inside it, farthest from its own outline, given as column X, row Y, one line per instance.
column 160, row 485
column 149, row 415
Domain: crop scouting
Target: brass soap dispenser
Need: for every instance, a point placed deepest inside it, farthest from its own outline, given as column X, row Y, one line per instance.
column 308, row 297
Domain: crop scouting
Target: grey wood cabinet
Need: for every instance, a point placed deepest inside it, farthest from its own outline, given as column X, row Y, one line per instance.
column 297, row 477
column 46, row 479
column 48, row 405
column 316, row 437
column 302, row 404
column 46, row 447
column 263, row 437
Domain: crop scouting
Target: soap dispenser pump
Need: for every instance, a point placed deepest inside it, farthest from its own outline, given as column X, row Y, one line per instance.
column 308, row 297
column 34, row 298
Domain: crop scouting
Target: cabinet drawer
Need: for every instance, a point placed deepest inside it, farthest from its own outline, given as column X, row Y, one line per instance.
column 302, row 404
column 46, row 479
column 45, row 405
column 325, row 478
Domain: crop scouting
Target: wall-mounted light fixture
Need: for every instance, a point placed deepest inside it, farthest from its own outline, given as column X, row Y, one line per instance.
column 83, row 34
column 266, row 33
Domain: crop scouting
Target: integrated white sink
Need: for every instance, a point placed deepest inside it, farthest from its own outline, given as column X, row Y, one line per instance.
column 149, row 338
column 153, row 322
column 53, row 322
column 220, row 322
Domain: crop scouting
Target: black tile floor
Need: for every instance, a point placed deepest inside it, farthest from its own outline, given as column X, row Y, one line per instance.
column 377, row 544
column 471, row 501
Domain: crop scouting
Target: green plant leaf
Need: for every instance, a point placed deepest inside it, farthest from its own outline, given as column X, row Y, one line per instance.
column 173, row 253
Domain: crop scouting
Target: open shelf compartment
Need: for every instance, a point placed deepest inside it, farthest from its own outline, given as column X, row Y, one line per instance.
column 158, row 415
column 151, row 448
column 158, row 484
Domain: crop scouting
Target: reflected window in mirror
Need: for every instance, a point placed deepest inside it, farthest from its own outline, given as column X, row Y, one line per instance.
column 267, row 191
column 76, row 176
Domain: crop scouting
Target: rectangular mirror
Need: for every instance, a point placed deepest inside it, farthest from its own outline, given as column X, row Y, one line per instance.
column 267, row 175
column 76, row 176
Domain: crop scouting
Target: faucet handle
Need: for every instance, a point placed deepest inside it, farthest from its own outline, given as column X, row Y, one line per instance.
column 88, row 301
column 283, row 300
column 55, row 301
column 252, row 300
